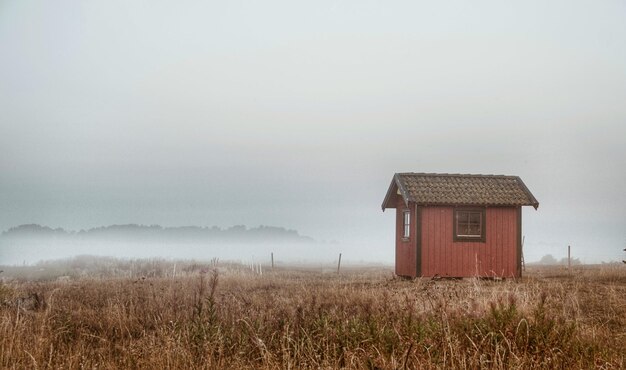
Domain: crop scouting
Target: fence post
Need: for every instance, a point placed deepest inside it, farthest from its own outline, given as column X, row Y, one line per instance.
column 569, row 259
column 523, row 261
column 339, row 263
column 272, row 261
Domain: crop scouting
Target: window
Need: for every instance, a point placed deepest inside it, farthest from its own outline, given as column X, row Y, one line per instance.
column 407, row 224
column 469, row 225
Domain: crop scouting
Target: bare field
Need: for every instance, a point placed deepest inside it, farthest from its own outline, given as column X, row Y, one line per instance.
column 158, row 315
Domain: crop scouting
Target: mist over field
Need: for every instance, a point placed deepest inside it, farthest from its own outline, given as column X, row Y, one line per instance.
column 29, row 244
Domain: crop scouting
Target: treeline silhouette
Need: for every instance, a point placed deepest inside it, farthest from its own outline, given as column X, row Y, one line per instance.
column 131, row 232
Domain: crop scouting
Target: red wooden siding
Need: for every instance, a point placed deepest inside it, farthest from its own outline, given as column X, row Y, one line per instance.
column 405, row 248
column 441, row 256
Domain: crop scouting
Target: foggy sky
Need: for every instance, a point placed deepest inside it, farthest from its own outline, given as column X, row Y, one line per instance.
column 298, row 114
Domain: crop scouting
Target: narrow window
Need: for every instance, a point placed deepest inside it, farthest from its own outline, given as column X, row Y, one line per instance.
column 469, row 225
column 407, row 224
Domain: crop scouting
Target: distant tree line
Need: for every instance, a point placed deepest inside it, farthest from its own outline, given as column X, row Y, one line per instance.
column 549, row 259
column 157, row 232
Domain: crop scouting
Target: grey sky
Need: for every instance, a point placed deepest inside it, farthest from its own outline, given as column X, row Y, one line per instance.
column 298, row 113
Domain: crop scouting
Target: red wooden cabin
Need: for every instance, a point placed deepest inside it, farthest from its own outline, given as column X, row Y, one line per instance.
column 450, row 225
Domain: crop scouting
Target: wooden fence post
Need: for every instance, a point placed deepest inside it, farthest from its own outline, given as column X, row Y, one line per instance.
column 339, row 263
column 523, row 261
column 569, row 259
column 272, row 261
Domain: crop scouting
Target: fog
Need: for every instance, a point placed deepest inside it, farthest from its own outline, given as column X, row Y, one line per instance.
column 298, row 115
column 30, row 244
column 326, row 254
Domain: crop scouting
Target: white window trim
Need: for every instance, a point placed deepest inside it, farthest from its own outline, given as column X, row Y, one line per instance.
column 406, row 224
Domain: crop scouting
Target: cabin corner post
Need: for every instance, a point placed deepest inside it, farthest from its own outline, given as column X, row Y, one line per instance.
column 418, row 241
column 519, row 242
column 397, row 241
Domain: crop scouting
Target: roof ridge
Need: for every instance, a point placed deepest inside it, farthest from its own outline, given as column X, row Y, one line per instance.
column 432, row 174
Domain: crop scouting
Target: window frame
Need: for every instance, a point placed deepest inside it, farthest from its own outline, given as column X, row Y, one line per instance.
column 406, row 224
column 466, row 238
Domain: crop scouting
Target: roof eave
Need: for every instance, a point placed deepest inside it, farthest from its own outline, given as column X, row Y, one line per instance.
column 533, row 201
column 395, row 185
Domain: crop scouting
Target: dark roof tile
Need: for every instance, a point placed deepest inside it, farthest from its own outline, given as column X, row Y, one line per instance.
column 458, row 189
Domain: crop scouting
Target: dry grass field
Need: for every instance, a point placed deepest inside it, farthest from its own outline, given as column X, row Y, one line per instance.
column 161, row 315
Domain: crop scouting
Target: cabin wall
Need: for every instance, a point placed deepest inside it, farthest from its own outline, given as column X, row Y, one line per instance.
column 405, row 248
column 498, row 256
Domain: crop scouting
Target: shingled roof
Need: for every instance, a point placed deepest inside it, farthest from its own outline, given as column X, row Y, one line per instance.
column 458, row 190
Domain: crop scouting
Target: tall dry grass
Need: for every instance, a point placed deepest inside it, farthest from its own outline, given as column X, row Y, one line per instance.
column 218, row 316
